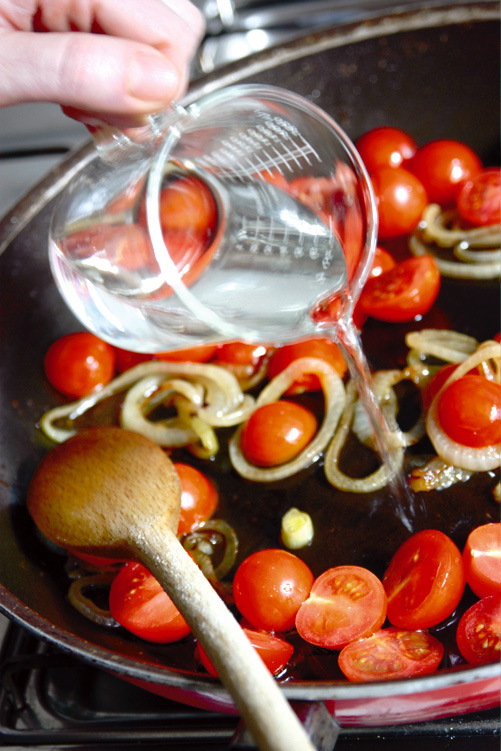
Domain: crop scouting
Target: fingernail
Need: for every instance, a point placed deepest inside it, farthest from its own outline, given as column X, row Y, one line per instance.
column 152, row 78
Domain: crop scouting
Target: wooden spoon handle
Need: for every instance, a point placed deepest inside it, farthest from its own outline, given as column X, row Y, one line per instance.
column 269, row 717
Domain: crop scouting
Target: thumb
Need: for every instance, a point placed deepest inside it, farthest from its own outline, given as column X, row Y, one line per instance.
column 87, row 72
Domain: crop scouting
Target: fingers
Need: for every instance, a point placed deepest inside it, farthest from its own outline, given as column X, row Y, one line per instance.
column 136, row 65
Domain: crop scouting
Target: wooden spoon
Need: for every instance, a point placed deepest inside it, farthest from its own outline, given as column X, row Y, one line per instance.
column 111, row 491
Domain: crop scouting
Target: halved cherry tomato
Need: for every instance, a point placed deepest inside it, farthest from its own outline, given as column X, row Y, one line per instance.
column 274, row 651
column 385, row 147
column 139, row 604
column 404, row 292
column 479, row 200
column 443, row 166
column 79, row 363
column 389, row 654
column 345, row 603
column 199, row 497
column 277, row 432
column 401, row 200
column 269, row 588
column 479, row 631
column 324, row 349
column 187, row 205
column 382, row 261
column 424, row 581
column 469, row 411
column 482, row 559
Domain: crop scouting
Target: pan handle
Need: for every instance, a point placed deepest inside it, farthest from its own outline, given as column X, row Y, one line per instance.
column 320, row 726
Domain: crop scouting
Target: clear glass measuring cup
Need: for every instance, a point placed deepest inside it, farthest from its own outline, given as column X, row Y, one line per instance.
column 247, row 215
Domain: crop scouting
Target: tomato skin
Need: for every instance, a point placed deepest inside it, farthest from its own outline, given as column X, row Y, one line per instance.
column 404, row 292
column 240, row 358
column 482, row 560
column 345, row 603
column 199, row 497
column 424, row 581
column 478, row 632
column 274, row 651
column 277, row 432
column 479, row 200
column 76, row 364
column 269, row 587
column 469, row 411
column 401, row 200
column 139, row 604
column 435, row 384
column 324, row 349
column 201, row 353
column 443, row 165
column 385, row 147
column 389, row 654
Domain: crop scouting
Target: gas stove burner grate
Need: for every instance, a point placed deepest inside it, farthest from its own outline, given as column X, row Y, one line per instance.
column 48, row 699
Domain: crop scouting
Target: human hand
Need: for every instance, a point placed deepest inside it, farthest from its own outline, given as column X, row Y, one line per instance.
column 102, row 61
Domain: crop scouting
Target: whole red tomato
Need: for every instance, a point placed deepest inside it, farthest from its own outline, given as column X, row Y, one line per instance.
column 443, row 166
column 385, row 147
column 401, row 199
column 78, row 363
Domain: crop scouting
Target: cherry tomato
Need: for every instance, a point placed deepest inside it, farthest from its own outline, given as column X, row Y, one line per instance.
column 139, row 604
column 324, row 349
column 125, row 359
column 345, row 603
column 478, row 633
column 391, row 653
column 404, row 292
column 443, row 166
column 424, row 581
column 277, row 432
column 469, row 411
column 400, row 198
column 199, row 497
column 274, row 651
column 187, row 205
column 241, row 359
column 95, row 561
column 385, row 147
column 202, row 353
column 79, row 363
column 479, row 200
column 482, row 560
column 435, row 384
column 269, row 588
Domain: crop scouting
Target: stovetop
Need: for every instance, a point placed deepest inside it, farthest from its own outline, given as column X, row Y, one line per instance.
column 51, row 701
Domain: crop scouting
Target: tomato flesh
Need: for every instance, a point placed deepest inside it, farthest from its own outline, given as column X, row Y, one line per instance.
column 424, row 581
column 385, row 147
column 443, row 166
column 478, row 633
column 323, row 349
column 389, row 654
column 139, row 604
column 277, row 432
column 269, row 587
column 482, row 559
column 274, row 652
column 406, row 291
column 79, row 363
column 199, row 497
column 345, row 603
column 469, row 411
